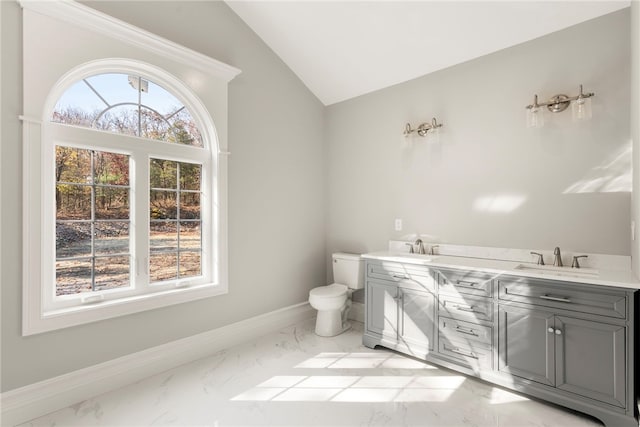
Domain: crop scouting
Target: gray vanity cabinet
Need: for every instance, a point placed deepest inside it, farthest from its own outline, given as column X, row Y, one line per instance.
column 400, row 310
column 382, row 309
column 584, row 357
column 525, row 345
column 417, row 319
column 465, row 314
column 572, row 344
column 590, row 359
column 571, row 337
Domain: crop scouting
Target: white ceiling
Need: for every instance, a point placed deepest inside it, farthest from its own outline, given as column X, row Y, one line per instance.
column 342, row 49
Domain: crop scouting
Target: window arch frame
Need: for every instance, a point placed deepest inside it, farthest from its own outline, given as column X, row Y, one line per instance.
column 163, row 78
column 54, row 313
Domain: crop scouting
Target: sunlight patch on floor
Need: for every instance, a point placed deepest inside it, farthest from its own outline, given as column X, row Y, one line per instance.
column 499, row 396
column 352, row 388
column 362, row 361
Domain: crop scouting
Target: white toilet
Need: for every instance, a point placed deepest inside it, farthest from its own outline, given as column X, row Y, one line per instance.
column 334, row 301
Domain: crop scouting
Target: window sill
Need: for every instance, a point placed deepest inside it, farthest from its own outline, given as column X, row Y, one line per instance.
column 34, row 323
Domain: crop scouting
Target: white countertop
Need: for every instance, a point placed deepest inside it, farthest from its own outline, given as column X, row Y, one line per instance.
column 604, row 277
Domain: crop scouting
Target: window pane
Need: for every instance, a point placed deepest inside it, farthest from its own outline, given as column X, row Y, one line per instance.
column 73, row 277
column 73, row 239
column 190, row 237
column 73, row 165
column 189, row 205
column 163, row 174
column 121, row 119
column 112, row 102
column 111, row 272
column 164, row 236
column 111, row 168
column 163, row 266
column 184, row 131
column 112, row 203
column 189, row 264
column 68, row 110
column 111, row 237
column 162, row 205
column 73, row 202
column 154, row 126
column 114, row 88
column 190, row 176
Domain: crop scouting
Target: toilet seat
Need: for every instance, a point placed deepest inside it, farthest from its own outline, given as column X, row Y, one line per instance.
column 331, row 291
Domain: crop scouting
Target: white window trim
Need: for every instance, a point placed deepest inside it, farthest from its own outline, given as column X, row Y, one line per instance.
column 141, row 151
column 35, row 319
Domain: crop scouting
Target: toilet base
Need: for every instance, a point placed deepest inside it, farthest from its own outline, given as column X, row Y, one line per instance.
column 329, row 323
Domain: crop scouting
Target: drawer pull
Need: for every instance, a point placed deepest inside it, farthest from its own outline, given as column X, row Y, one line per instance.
column 467, row 331
column 467, row 284
column 559, row 299
column 468, row 309
column 463, row 353
column 399, row 276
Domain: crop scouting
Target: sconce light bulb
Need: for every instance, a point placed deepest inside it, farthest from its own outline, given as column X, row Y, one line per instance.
column 407, row 130
column 581, row 109
column 535, row 117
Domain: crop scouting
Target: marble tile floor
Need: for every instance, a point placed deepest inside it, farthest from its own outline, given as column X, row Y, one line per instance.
column 295, row 378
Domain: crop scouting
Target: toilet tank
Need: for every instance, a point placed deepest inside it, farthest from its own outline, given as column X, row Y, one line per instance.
column 348, row 269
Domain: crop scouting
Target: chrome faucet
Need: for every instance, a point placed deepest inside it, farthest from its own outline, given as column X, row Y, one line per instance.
column 575, row 263
column 432, row 249
column 420, row 246
column 410, row 247
column 540, row 258
column 557, row 260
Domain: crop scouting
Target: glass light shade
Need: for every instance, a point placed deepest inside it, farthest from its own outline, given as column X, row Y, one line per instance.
column 581, row 109
column 535, row 117
column 433, row 136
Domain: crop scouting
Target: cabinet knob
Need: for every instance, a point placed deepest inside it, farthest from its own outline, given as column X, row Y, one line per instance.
column 558, row 332
column 550, row 330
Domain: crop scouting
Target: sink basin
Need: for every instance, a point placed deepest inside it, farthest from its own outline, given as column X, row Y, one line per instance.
column 405, row 256
column 559, row 271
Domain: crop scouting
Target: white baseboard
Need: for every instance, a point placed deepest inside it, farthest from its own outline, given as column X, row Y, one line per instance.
column 37, row 399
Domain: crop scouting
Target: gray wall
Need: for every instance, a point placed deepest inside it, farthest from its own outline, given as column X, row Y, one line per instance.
column 276, row 195
column 635, row 129
column 490, row 181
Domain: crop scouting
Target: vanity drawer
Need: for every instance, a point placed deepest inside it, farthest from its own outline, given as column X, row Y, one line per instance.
column 471, row 309
column 412, row 277
column 563, row 295
column 465, row 282
column 466, row 354
column 459, row 330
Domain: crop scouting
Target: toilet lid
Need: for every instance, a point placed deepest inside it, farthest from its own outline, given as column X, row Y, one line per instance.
column 333, row 290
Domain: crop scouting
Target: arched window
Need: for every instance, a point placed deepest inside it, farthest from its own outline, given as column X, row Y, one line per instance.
column 133, row 194
column 127, row 104
column 104, row 191
column 124, row 172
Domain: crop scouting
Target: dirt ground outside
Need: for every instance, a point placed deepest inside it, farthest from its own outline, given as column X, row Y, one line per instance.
column 112, row 259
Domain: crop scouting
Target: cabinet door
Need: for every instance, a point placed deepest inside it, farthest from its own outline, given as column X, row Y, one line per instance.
column 590, row 359
column 526, row 344
column 382, row 309
column 417, row 319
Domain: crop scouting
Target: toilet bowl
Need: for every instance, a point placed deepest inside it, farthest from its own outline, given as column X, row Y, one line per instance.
column 331, row 303
column 334, row 301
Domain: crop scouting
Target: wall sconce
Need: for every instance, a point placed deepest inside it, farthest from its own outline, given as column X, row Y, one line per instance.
column 423, row 129
column 581, row 107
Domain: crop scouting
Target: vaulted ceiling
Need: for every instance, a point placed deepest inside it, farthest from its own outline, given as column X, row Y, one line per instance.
column 343, row 49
